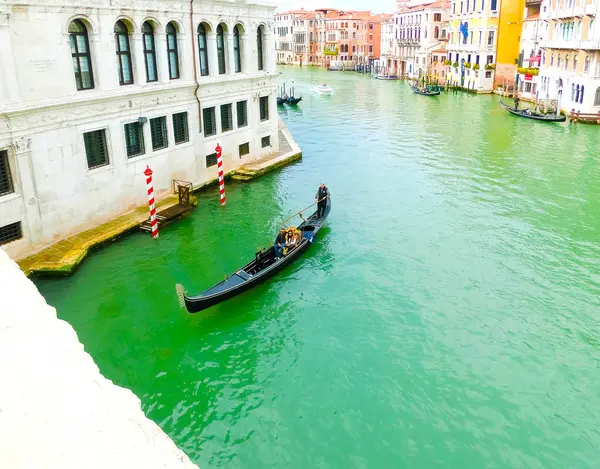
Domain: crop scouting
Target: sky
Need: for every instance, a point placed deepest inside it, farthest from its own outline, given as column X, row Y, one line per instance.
column 376, row 6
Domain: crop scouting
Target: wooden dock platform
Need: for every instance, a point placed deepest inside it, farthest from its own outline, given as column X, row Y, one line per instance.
column 167, row 215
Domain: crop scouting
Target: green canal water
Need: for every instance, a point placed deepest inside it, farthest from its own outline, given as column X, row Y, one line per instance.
column 448, row 316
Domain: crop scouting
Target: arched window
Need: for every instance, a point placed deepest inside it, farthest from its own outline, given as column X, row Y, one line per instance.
column 259, row 47
column 573, row 92
column 202, row 50
column 436, row 32
column 123, row 53
column 221, row 50
column 577, row 94
column 237, row 56
column 80, row 53
column 311, row 36
column 581, row 94
column 567, row 62
column 172, row 52
column 149, row 52
column 597, row 97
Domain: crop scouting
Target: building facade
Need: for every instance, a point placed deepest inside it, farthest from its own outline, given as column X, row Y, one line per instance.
column 535, row 32
column 472, row 43
column 92, row 94
column 510, row 26
column 284, row 36
column 421, row 30
column 570, row 66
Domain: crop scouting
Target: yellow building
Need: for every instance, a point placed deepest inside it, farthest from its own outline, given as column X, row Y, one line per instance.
column 472, row 45
column 510, row 26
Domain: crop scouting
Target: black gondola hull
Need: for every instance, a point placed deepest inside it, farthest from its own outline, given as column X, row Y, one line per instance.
column 429, row 93
column 536, row 117
column 242, row 280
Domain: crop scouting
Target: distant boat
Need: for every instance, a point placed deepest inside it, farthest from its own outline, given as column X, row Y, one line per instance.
column 322, row 89
column 532, row 114
column 425, row 93
column 387, row 77
column 293, row 100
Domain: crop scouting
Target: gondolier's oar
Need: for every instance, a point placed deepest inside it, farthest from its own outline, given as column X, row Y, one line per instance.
column 299, row 213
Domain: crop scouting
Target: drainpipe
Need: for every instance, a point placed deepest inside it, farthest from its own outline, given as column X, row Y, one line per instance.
column 195, row 68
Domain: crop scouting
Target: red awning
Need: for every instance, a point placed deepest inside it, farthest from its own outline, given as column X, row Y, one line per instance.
column 537, row 58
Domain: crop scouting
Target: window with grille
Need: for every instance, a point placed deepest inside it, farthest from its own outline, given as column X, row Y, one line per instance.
column 180, row 127
column 242, row 113
column 10, row 232
column 266, row 141
column 158, row 132
column 6, row 183
column 226, row 117
column 208, row 118
column 244, row 149
column 149, row 52
column 211, row 160
column 264, row 108
column 221, row 50
column 134, row 139
column 95, row 148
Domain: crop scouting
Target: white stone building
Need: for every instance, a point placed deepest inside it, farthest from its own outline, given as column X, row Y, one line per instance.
column 283, row 31
column 422, row 28
column 92, row 92
column 388, row 48
column 570, row 68
column 534, row 32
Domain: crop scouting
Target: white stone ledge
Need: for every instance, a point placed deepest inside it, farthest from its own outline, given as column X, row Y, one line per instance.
column 56, row 410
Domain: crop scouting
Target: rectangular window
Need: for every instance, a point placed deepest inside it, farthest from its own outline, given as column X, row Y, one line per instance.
column 266, row 141
column 134, row 139
column 158, row 133
column 208, row 118
column 6, row 183
column 180, row 128
column 488, row 74
column 264, row 108
column 244, row 149
column 96, row 151
column 493, row 5
column 480, row 34
column 490, row 59
column 226, row 117
column 490, row 38
column 211, row 160
column 10, row 232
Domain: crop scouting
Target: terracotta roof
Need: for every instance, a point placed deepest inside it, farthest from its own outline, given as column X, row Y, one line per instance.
column 424, row 6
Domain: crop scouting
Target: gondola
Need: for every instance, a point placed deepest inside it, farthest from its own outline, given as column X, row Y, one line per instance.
column 263, row 266
column 280, row 100
column 424, row 93
column 292, row 100
column 533, row 115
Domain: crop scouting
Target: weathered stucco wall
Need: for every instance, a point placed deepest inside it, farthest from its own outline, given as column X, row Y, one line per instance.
column 56, row 409
column 43, row 116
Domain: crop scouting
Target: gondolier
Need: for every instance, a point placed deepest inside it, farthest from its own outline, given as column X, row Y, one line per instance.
column 321, row 198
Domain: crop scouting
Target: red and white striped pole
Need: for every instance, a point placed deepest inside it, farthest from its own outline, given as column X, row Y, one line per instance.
column 219, row 151
column 153, row 221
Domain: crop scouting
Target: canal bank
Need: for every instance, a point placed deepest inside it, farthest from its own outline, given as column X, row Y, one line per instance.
column 445, row 318
column 64, row 256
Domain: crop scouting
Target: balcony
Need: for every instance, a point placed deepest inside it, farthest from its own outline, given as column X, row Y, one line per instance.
column 571, row 45
column 573, row 12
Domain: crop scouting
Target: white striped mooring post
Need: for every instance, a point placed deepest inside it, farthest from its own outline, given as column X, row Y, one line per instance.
column 219, row 151
column 153, row 221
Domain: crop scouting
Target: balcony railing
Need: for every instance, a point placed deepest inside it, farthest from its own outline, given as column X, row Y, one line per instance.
column 571, row 45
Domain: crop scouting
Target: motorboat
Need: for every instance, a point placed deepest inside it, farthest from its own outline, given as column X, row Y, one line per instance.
column 322, row 89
